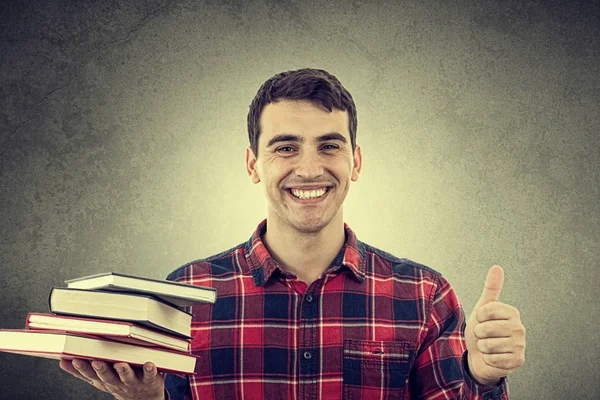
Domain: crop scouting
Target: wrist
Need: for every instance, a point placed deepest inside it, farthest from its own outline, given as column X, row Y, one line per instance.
column 485, row 383
column 475, row 378
column 162, row 396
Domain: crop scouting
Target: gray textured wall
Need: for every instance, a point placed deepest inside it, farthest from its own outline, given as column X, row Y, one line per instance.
column 123, row 135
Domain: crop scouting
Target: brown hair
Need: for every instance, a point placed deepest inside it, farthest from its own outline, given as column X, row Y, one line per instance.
column 316, row 85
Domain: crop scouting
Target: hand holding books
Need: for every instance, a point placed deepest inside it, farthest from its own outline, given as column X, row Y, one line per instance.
column 120, row 380
column 133, row 322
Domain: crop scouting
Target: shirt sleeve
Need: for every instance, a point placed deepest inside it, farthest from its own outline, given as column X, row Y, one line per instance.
column 440, row 370
column 177, row 387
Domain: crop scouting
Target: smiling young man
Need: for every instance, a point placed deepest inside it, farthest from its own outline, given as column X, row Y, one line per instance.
column 307, row 311
column 305, row 162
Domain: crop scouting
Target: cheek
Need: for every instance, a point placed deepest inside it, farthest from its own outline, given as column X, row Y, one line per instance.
column 344, row 171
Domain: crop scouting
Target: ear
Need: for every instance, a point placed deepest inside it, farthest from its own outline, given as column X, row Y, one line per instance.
column 251, row 165
column 357, row 163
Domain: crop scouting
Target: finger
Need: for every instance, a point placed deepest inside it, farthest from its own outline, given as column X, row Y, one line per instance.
column 497, row 311
column 492, row 287
column 67, row 366
column 495, row 329
column 85, row 369
column 150, row 372
column 505, row 361
column 106, row 373
column 126, row 374
column 496, row 345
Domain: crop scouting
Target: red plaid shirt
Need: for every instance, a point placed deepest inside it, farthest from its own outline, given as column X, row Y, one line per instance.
column 372, row 327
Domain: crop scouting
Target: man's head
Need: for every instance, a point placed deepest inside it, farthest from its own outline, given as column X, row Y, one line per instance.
column 315, row 85
column 305, row 155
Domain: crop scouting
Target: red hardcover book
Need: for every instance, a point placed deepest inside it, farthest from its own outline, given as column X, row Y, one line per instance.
column 63, row 345
column 122, row 331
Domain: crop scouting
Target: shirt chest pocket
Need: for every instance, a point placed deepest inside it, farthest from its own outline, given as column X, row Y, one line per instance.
column 375, row 369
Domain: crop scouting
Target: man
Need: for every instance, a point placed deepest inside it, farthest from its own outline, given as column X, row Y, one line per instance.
column 307, row 311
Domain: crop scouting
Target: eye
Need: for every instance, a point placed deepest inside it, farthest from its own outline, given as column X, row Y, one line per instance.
column 330, row 147
column 285, row 149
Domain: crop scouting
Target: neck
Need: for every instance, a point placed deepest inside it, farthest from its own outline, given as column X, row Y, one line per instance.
column 306, row 255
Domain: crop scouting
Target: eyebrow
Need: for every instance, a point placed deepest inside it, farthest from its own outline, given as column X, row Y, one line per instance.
column 295, row 138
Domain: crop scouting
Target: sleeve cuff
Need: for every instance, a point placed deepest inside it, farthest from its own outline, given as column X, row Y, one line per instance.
column 486, row 392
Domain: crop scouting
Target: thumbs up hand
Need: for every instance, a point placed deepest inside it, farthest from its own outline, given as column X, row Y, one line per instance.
column 494, row 334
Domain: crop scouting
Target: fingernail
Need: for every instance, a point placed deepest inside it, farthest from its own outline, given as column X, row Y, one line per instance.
column 97, row 366
column 120, row 369
column 148, row 368
column 77, row 363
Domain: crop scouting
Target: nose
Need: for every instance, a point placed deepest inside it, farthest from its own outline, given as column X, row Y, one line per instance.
column 309, row 165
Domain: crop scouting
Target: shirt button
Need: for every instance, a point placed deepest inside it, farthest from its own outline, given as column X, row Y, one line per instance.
column 307, row 355
column 309, row 298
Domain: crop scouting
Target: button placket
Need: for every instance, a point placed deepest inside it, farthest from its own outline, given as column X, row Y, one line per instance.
column 308, row 352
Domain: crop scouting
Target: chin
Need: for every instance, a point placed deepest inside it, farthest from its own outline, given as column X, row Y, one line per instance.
column 310, row 226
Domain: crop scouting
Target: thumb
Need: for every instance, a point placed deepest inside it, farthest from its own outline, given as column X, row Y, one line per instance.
column 492, row 287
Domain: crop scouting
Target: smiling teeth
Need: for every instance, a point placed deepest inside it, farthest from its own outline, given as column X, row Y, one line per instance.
column 308, row 194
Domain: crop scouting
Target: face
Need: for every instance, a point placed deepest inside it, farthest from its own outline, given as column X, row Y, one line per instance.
column 305, row 164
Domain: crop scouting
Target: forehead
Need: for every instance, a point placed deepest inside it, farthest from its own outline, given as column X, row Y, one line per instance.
column 302, row 118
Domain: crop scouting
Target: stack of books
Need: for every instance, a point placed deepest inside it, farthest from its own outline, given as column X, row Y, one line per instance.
column 116, row 318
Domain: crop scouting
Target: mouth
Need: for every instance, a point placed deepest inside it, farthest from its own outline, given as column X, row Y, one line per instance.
column 309, row 196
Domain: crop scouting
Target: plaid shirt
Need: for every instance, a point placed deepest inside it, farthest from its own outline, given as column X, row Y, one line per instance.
column 373, row 326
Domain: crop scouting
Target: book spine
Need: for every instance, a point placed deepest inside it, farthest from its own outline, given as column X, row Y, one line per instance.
column 50, row 298
column 27, row 320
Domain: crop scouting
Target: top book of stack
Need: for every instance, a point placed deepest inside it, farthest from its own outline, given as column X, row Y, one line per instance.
column 179, row 294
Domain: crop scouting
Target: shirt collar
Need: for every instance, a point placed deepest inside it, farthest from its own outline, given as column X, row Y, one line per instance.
column 262, row 266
